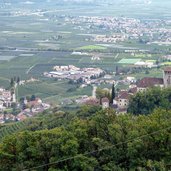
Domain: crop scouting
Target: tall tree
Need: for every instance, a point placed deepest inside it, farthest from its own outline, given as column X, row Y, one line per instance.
column 12, row 82
column 100, row 93
column 18, row 80
column 117, row 70
column 113, row 93
column 33, row 97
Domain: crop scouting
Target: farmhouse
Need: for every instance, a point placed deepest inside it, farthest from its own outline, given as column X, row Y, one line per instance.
column 123, row 100
column 148, row 82
column 105, row 103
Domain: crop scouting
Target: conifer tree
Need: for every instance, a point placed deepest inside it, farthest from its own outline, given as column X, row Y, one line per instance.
column 113, row 93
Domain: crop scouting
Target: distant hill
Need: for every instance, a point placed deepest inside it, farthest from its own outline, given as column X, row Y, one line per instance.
column 165, row 3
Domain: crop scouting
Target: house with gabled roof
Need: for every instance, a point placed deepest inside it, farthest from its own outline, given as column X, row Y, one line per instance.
column 149, row 82
column 122, row 100
column 105, row 102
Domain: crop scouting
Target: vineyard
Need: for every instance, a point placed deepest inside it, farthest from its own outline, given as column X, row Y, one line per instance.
column 13, row 128
column 47, row 120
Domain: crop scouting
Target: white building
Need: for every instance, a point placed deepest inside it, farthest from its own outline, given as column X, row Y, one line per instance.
column 105, row 103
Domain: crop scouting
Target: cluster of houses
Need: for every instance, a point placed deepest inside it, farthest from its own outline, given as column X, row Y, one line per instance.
column 121, row 101
column 25, row 109
column 31, row 108
column 104, row 102
column 167, row 57
column 145, row 64
column 110, row 39
column 6, row 98
column 123, row 29
column 74, row 73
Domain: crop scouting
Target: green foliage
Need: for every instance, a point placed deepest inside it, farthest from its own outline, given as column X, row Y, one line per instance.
column 102, row 141
column 46, row 120
column 113, row 93
column 33, row 97
column 146, row 102
column 100, row 93
column 87, row 111
column 12, row 82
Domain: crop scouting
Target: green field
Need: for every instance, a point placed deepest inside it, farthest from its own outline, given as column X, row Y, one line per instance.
column 31, row 45
column 141, row 55
column 166, row 63
column 157, row 73
column 92, row 47
column 128, row 61
column 53, row 91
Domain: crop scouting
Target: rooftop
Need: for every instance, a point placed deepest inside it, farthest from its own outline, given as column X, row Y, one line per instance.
column 105, row 99
column 149, row 82
column 167, row 69
column 133, row 90
column 123, row 95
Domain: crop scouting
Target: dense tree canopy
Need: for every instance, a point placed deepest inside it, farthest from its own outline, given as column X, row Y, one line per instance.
column 101, row 141
column 145, row 102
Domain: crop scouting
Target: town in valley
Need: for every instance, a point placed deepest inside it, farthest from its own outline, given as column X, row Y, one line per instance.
column 70, row 58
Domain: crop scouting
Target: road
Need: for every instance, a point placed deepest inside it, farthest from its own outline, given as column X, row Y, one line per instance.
column 27, row 72
column 94, row 91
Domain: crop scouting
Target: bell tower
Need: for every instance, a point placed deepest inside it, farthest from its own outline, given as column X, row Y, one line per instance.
column 167, row 77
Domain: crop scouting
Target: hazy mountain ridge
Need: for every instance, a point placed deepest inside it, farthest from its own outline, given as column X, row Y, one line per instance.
column 95, row 2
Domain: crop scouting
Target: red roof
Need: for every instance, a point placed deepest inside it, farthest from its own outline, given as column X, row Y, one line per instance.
column 92, row 101
column 105, row 99
column 133, row 90
column 124, row 95
column 167, row 69
column 149, row 82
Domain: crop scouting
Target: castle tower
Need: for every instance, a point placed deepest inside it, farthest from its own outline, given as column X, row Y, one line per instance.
column 167, row 76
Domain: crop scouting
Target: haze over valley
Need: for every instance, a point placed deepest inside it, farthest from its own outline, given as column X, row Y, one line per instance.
column 85, row 85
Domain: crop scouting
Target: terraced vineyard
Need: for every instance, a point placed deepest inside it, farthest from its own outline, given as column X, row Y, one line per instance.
column 13, row 128
column 47, row 120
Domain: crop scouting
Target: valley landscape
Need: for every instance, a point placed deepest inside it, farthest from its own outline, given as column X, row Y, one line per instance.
column 65, row 64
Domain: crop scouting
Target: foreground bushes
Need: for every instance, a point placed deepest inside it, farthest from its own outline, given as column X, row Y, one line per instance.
column 103, row 141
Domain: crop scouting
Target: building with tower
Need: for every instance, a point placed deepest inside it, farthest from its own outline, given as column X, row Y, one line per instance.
column 167, row 77
column 122, row 101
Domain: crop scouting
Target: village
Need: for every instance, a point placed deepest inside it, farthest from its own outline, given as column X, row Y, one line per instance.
column 13, row 110
column 71, row 72
column 124, row 29
column 95, row 77
column 120, row 100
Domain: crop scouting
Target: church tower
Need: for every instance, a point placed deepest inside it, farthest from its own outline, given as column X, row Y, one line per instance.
column 167, row 77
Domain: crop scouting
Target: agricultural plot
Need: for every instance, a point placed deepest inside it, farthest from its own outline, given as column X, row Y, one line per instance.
column 70, row 95
column 12, row 128
column 6, row 58
column 92, row 47
column 53, row 91
column 142, row 55
column 158, row 73
column 166, row 63
column 36, row 39
column 44, row 89
column 129, row 61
